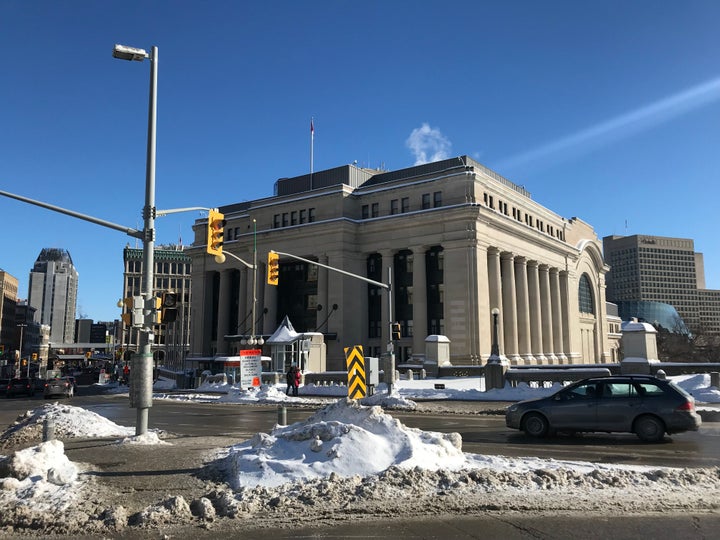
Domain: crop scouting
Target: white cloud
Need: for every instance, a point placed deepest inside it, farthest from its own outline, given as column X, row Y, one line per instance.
column 428, row 144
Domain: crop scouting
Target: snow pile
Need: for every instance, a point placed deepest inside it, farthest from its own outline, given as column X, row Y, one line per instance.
column 65, row 420
column 345, row 438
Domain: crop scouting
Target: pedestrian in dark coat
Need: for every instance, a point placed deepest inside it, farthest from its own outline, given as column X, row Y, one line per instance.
column 290, row 378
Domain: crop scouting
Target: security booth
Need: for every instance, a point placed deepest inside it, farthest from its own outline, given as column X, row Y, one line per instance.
column 307, row 350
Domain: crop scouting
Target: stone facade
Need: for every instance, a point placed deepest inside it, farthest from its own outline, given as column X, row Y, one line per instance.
column 452, row 238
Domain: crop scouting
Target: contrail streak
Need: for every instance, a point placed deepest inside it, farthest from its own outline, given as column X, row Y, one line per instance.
column 623, row 125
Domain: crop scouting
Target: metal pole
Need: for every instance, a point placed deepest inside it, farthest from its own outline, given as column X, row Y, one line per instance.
column 254, row 301
column 143, row 375
column 495, row 349
column 390, row 377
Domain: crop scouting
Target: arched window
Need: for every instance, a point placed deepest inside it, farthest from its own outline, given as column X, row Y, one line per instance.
column 585, row 296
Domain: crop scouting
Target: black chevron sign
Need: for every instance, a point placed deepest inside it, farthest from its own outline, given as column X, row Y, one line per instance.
column 357, row 382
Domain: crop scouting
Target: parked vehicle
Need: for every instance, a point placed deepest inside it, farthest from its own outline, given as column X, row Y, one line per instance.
column 60, row 386
column 640, row 404
column 4, row 386
column 22, row 386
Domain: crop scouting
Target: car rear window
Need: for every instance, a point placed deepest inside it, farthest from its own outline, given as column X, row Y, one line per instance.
column 649, row 389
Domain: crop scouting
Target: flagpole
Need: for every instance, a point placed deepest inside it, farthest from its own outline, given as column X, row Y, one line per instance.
column 312, row 142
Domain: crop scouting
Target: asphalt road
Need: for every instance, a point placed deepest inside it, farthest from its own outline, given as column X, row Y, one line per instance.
column 481, row 433
column 201, row 426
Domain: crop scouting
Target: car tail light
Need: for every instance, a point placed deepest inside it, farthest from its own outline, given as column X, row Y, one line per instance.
column 687, row 406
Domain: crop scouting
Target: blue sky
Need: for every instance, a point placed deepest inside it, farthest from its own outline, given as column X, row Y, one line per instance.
column 608, row 111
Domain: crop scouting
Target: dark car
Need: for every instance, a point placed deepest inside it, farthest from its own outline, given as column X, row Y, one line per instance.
column 640, row 404
column 3, row 386
column 59, row 386
column 22, row 386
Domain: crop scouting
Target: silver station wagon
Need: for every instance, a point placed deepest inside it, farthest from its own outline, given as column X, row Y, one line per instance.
column 640, row 404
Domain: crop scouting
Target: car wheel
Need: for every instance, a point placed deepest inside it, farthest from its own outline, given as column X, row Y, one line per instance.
column 535, row 425
column 649, row 429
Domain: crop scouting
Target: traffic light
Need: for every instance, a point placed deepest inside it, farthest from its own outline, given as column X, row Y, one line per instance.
column 127, row 316
column 273, row 268
column 168, row 307
column 395, row 331
column 215, row 232
column 134, row 315
column 34, row 356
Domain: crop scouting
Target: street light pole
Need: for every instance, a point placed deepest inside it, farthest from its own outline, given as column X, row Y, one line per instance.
column 495, row 349
column 142, row 364
column 22, row 327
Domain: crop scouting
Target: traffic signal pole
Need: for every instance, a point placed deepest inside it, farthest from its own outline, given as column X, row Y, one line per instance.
column 389, row 377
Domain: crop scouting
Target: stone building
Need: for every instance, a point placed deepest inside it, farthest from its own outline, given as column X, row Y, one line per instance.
column 453, row 239
column 172, row 274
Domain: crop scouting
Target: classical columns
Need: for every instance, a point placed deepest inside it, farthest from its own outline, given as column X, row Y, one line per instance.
column 419, row 300
column 535, row 313
column 495, row 291
column 546, row 314
column 322, row 292
column 568, row 327
column 523, row 309
column 224, row 300
column 508, row 311
column 557, row 319
column 387, row 263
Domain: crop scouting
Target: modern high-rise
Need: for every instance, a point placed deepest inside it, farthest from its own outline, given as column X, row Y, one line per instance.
column 456, row 241
column 53, row 293
column 172, row 274
column 645, row 268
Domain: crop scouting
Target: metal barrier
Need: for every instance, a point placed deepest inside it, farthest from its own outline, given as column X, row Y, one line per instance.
column 542, row 377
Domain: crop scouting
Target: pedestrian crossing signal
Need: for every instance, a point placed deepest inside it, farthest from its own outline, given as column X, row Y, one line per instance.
column 395, row 331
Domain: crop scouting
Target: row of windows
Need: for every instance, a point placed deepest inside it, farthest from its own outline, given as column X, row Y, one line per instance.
column 521, row 216
column 402, row 205
column 161, row 267
column 668, row 251
column 133, row 287
column 294, row 217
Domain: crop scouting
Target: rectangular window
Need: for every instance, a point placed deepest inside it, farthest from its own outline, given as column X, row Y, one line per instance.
column 375, row 208
column 311, row 215
column 365, row 211
column 276, row 221
column 293, row 217
column 425, row 201
column 405, row 204
column 302, row 216
column 437, row 199
column 285, row 219
column 394, row 206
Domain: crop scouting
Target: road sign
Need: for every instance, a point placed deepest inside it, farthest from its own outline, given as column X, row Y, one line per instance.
column 250, row 368
column 357, row 380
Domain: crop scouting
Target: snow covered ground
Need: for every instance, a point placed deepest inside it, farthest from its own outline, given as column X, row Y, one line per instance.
column 346, row 459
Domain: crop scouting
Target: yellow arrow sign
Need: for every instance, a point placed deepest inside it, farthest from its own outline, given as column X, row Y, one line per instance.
column 357, row 381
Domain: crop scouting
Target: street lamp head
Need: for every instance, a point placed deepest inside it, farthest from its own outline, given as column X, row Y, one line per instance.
column 220, row 258
column 123, row 52
column 120, row 303
column 495, row 311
